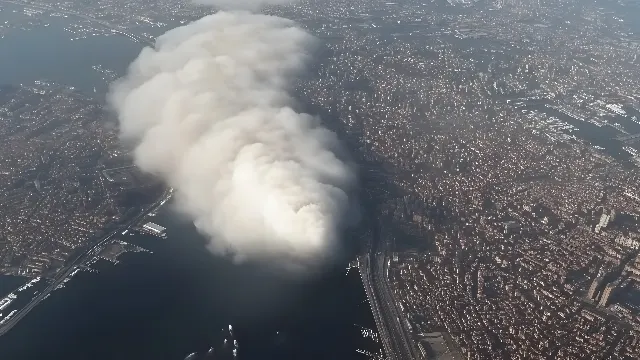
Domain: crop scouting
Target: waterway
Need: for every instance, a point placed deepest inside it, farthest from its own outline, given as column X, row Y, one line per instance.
column 176, row 300
column 40, row 52
column 180, row 298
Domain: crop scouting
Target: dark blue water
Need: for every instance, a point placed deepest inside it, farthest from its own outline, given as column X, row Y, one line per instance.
column 48, row 53
column 177, row 300
column 8, row 283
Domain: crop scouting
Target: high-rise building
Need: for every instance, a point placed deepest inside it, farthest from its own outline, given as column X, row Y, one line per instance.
column 595, row 288
column 608, row 292
column 604, row 221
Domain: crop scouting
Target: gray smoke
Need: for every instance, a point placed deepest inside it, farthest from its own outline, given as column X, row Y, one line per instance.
column 209, row 111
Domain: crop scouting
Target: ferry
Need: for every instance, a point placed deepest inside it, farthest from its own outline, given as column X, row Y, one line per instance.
column 191, row 356
column 8, row 317
column 29, row 284
column 4, row 303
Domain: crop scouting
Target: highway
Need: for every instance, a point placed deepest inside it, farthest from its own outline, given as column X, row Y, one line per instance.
column 404, row 345
column 392, row 326
column 365, row 274
column 67, row 270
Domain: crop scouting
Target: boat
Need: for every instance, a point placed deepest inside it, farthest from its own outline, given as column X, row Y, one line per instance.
column 4, row 303
column 191, row 356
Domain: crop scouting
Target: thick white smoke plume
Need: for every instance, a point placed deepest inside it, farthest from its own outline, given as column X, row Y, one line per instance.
column 208, row 110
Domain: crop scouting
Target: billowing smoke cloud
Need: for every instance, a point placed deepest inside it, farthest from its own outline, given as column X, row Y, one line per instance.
column 209, row 111
column 242, row 4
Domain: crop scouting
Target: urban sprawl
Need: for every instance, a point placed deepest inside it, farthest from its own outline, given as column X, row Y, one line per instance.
column 498, row 144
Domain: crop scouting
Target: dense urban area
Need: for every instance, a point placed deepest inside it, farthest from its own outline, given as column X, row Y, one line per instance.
column 498, row 144
column 62, row 182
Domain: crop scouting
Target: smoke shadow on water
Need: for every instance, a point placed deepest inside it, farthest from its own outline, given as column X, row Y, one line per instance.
column 175, row 301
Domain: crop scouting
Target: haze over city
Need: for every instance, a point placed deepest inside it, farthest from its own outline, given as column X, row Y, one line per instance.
column 444, row 179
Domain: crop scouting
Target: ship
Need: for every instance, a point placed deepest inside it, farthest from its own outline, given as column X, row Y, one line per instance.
column 4, row 303
column 8, row 317
column 29, row 284
column 191, row 356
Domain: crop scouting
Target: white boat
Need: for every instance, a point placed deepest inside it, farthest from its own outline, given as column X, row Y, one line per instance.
column 191, row 356
column 4, row 303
